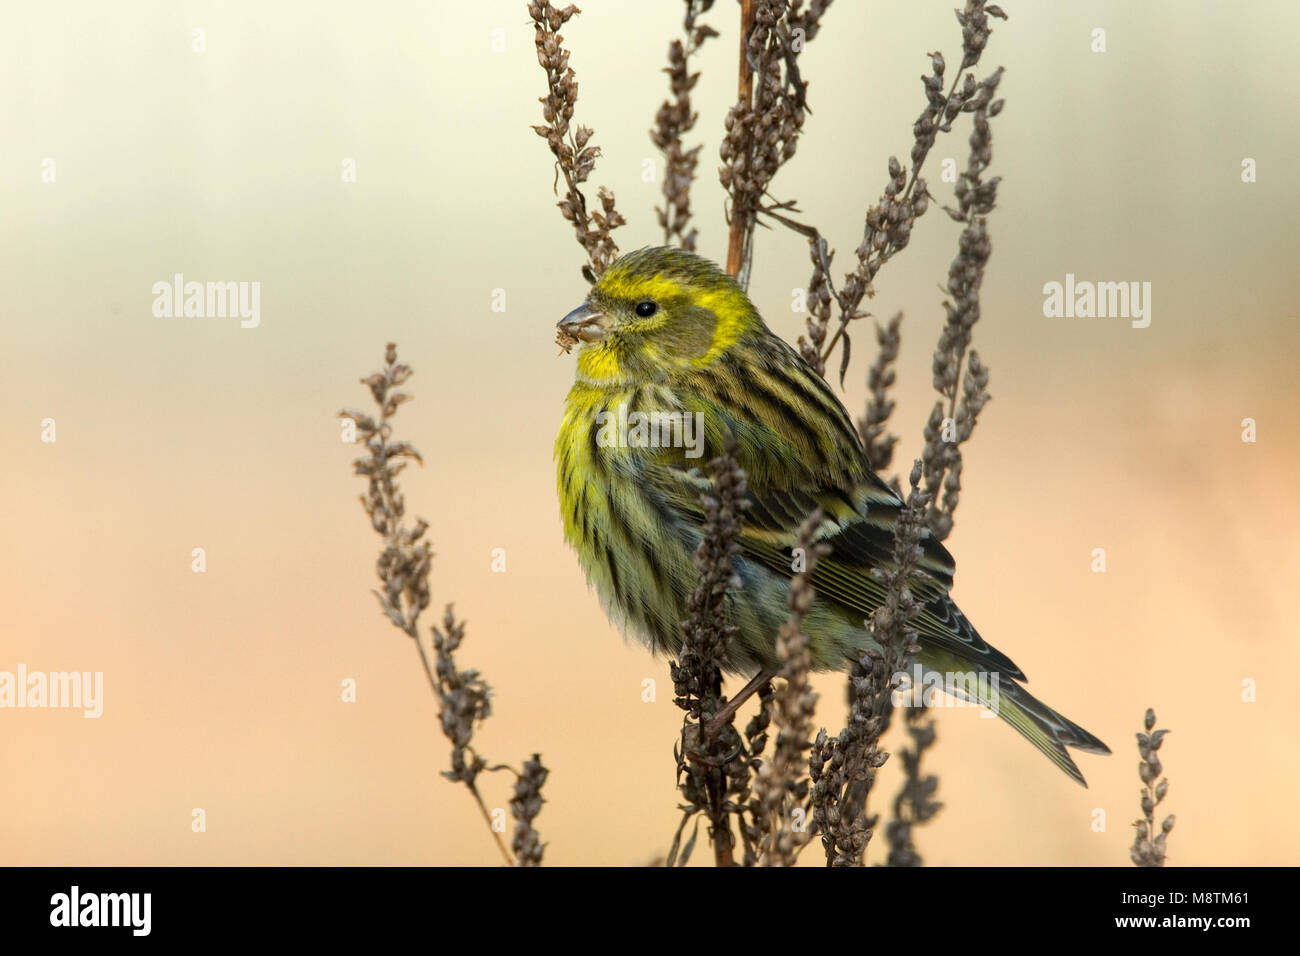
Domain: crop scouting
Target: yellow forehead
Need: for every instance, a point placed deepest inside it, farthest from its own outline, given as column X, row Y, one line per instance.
column 618, row 285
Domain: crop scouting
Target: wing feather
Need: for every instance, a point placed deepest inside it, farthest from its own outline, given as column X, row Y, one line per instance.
column 859, row 529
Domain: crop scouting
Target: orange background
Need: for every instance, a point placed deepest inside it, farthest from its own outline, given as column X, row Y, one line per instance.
column 222, row 690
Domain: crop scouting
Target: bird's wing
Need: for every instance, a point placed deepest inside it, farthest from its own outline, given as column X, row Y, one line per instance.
column 858, row 527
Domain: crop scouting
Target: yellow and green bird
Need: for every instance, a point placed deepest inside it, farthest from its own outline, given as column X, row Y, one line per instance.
column 673, row 359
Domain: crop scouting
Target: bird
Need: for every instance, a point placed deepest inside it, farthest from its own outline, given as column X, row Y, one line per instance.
column 675, row 363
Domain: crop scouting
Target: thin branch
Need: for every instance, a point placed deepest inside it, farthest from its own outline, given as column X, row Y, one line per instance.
column 1148, row 846
column 712, row 757
column 915, row 803
column 741, row 219
column 945, row 434
column 782, row 784
column 763, row 127
column 404, row 567
column 459, row 715
column 880, row 378
column 574, row 158
column 674, row 119
column 888, row 224
column 843, row 768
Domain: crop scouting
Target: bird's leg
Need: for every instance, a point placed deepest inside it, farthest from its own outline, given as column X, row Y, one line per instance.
column 730, row 708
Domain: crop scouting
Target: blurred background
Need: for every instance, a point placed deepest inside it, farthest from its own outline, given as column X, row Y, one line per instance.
column 222, row 689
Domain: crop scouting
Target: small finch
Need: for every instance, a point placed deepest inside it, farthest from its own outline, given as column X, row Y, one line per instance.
column 673, row 360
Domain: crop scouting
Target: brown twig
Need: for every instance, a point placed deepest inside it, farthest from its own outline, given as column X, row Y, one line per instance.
column 945, row 434
column 888, row 224
column 782, row 782
column 574, row 158
column 1148, row 846
column 403, row 568
column 880, row 379
column 740, row 228
column 843, row 768
column 763, row 127
column 712, row 762
column 674, row 119
column 915, row 803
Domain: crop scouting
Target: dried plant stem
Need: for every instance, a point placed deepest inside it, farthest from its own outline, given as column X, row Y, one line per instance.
column 782, row 782
column 742, row 226
column 712, row 757
column 891, row 230
column 843, row 768
column 915, row 803
column 945, row 434
column 1148, row 846
column 574, row 158
column 880, row 379
column 471, row 785
column 762, row 128
column 525, row 806
column 888, row 224
column 715, row 765
column 403, row 568
column 675, row 118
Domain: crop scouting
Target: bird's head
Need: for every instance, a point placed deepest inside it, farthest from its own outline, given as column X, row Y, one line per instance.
column 656, row 313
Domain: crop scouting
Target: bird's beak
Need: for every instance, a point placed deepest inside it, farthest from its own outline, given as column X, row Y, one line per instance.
column 585, row 323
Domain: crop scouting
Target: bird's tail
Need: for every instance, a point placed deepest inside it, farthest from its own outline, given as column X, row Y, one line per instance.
column 1043, row 727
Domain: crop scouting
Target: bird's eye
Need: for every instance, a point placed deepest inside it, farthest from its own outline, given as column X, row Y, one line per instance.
column 646, row 309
